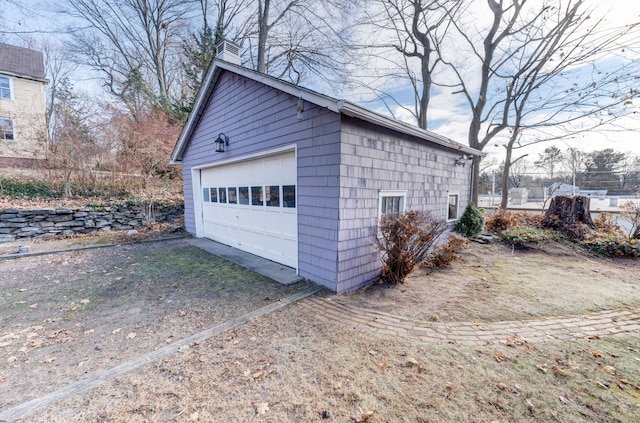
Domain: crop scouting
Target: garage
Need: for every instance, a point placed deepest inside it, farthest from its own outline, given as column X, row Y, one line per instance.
column 251, row 205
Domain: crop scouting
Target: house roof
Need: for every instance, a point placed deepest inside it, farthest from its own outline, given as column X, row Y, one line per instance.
column 336, row 105
column 21, row 62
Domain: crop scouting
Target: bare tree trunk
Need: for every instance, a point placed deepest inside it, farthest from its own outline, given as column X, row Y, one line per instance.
column 263, row 32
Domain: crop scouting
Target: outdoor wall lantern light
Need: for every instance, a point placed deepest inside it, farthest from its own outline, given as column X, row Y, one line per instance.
column 221, row 142
column 462, row 161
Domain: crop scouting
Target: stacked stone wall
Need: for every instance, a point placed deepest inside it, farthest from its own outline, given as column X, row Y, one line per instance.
column 41, row 223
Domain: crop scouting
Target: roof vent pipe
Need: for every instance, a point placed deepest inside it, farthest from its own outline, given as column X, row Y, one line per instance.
column 228, row 51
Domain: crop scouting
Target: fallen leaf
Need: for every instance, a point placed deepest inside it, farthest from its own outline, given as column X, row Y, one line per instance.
column 412, row 362
column 258, row 375
column 529, row 405
column 621, row 383
column 597, row 353
column 373, row 352
column 116, row 331
column 33, row 306
column 262, row 408
column 560, row 371
column 501, row 386
column 85, row 301
column 563, row 400
column 194, row 417
column 182, row 313
column 609, row 369
column 515, row 340
column 49, row 360
column 88, row 331
column 499, row 356
column 602, row 385
column 361, row 416
column 131, row 335
column 382, row 363
column 435, row 317
column 3, row 379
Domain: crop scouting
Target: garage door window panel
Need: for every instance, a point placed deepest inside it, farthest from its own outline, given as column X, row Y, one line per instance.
column 222, row 195
column 257, row 196
column 289, row 196
column 243, row 196
column 273, row 195
column 233, row 196
column 214, row 195
column 205, row 195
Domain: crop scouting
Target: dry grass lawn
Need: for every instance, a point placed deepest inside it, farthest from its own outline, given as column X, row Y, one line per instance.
column 289, row 366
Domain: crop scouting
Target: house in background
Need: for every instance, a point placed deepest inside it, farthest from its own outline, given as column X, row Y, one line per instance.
column 302, row 179
column 22, row 109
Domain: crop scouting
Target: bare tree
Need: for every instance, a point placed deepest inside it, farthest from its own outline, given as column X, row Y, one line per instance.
column 413, row 32
column 539, row 75
column 133, row 43
column 58, row 70
column 629, row 170
column 297, row 39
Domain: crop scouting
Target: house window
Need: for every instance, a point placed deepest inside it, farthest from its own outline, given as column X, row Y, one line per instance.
column 392, row 203
column 452, row 212
column 5, row 87
column 6, row 130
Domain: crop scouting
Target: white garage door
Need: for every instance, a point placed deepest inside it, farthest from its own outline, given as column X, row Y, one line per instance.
column 251, row 205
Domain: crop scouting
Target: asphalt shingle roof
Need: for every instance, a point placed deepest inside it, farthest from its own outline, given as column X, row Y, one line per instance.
column 21, row 61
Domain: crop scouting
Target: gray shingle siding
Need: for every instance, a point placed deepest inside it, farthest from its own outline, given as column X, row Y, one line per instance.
column 258, row 118
column 375, row 159
column 342, row 165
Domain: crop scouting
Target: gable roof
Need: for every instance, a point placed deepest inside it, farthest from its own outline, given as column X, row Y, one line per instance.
column 339, row 106
column 21, row 62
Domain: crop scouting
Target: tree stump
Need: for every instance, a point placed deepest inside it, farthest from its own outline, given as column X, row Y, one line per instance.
column 570, row 214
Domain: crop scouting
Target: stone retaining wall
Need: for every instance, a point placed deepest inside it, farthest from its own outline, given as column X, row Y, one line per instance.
column 41, row 223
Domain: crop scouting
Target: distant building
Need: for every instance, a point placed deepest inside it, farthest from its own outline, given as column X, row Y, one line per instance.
column 22, row 108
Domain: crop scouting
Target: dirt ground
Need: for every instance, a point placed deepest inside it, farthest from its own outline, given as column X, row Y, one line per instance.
column 116, row 303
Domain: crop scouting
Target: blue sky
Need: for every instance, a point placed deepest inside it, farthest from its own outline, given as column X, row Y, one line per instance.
column 30, row 20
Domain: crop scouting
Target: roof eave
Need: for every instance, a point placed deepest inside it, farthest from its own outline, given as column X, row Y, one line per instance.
column 353, row 110
column 24, row 76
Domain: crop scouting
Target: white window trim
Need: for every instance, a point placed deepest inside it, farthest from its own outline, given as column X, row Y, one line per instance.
column 388, row 193
column 11, row 91
column 13, row 127
column 451, row 194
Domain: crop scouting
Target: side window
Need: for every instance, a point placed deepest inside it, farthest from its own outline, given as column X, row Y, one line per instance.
column 452, row 212
column 6, row 130
column 5, row 87
column 392, row 203
column 205, row 195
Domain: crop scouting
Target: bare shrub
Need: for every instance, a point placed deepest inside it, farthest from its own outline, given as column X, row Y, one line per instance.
column 631, row 211
column 443, row 255
column 405, row 241
column 503, row 220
